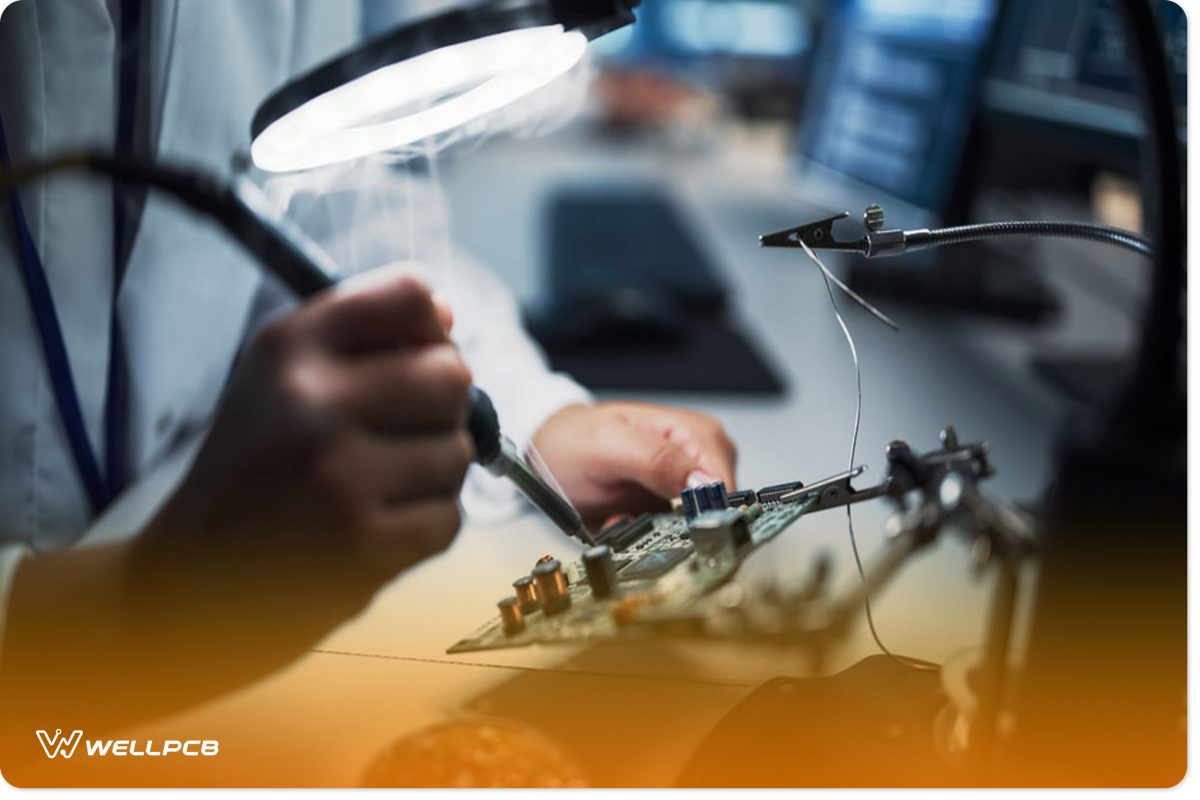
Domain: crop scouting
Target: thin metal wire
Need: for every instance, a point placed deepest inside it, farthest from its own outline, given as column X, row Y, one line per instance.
column 830, row 280
column 853, row 295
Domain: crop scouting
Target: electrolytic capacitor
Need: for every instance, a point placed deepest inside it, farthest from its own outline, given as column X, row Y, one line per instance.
column 687, row 501
column 527, row 596
column 716, row 496
column 551, row 586
column 601, row 571
column 510, row 616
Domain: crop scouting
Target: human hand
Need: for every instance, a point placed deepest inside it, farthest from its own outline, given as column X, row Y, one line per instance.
column 626, row 458
column 334, row 463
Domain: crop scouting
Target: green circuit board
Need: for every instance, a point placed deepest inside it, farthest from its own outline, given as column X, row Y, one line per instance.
column 662, row 580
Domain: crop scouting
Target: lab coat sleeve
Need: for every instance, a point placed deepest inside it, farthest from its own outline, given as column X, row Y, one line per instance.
column 504, row 360
column 10, row 557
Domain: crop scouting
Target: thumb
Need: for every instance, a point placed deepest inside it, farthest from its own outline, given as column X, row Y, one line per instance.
column 444, row 312
column 655, row 463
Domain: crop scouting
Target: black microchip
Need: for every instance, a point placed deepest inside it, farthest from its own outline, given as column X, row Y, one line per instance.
column 654, row 564
column 746, row 497
column 622, row 536
column 771, row 494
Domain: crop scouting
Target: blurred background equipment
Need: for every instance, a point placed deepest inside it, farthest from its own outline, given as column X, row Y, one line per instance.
column 894, row 101
column 753, row 52
column 1058, row 134
column 944, row 113
column 1062, row 78
column 630, row 299
column 943, row 106
column 892, row 98
column 633, row 302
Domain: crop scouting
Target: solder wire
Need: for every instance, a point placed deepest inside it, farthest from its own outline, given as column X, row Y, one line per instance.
column 830, row 280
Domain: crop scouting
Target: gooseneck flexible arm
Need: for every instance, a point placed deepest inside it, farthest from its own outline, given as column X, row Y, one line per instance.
column 875, row 243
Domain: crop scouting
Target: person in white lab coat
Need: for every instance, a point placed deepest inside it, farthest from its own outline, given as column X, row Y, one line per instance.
column 334, row 447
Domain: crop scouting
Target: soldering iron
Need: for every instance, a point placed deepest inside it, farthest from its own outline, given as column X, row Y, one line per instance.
column 283, row 250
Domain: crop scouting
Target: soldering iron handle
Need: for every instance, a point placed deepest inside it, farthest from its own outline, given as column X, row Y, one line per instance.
column 305, row 269
column 484, row 426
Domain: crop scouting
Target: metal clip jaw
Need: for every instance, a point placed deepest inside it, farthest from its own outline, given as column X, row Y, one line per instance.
column 906, row 472
column 817, row 235
column 835, row 491
column 876, row 243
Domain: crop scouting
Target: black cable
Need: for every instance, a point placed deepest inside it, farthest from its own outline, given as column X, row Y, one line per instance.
column 1086, row 231
column 279, row 249
column 1156, row 368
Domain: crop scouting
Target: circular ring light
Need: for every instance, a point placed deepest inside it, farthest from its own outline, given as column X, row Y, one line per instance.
column 426, row 78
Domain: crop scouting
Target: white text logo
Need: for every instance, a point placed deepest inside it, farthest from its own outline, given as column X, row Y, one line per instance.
column 58, row 744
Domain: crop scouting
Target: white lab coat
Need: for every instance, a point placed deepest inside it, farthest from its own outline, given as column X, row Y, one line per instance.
column 190, row 297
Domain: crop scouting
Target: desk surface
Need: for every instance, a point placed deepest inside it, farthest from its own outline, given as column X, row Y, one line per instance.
column 632, row 714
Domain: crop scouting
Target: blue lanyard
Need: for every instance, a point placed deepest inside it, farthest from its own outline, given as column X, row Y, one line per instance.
column 102, row 487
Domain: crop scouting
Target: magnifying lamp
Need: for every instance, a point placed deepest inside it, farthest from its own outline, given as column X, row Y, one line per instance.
column 426, row 78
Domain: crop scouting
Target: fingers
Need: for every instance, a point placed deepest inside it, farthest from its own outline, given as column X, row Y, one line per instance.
column 395, row 500
column 411, row 390
column 382, row 473
column 444, row 312
column 654, row 462
column 380, row 309
column 702, row 437
column 717, row 454
column 374, row 355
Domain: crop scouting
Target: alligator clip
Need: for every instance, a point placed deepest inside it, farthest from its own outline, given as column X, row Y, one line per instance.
column 817, row 235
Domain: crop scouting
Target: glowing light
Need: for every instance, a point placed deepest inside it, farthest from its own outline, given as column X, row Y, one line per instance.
column 417, row 98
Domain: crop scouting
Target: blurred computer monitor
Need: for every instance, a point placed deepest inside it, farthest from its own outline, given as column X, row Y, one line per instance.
column 755, row 52
column 925, row 105
column 893, row 94
column 899, row 85
column 693, row 30
column 889, row 120
column 1062, row 73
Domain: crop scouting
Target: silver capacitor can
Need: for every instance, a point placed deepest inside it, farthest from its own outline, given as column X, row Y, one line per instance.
column 713, row 539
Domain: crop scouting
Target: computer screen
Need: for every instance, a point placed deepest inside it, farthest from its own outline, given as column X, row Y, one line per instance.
column 690, row 30
column 1065, row 64
column 753, row 53
column 894, row 92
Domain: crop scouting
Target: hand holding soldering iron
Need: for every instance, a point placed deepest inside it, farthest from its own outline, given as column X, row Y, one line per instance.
column 335, row 463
